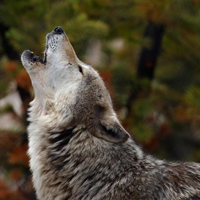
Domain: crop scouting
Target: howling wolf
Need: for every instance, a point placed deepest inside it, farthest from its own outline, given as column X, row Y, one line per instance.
column 78, row 149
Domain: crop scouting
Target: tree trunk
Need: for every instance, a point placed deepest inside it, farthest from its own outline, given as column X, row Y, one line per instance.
column 148, row 57
column 8, row 50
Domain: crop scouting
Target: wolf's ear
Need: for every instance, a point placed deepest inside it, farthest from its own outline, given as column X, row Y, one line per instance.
column 110, row 130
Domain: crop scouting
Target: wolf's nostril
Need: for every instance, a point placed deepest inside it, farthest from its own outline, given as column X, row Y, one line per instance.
column 58, row 30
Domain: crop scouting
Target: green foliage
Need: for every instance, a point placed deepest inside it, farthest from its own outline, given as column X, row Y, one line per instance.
column 192, row 97
column 123, row 81
column 29, row 21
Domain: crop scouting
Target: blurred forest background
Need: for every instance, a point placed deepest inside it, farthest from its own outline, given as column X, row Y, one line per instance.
column 148, row 53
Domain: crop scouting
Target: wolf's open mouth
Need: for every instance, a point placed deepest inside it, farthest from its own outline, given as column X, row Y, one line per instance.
column 34, row 58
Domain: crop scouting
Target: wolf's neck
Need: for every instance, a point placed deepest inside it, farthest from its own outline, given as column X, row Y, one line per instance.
column 40, row 107
column 35, row 110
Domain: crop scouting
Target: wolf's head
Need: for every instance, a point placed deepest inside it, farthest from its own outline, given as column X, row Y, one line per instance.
column 74, row 89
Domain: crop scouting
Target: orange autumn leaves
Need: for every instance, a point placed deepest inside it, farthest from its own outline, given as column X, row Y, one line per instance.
column 13, row 161
column 14, row 69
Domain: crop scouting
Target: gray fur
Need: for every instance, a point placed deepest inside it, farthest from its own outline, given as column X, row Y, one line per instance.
column 77, row 146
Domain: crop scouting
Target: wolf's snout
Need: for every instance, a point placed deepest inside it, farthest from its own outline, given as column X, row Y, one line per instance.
column 58, row 30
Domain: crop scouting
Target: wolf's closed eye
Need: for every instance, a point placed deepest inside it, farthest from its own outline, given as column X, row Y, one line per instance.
column 80, row 69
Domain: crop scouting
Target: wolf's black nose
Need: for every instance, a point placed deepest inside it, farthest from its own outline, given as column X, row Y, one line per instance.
column 58, row 30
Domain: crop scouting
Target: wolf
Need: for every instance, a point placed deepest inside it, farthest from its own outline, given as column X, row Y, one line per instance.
column 78, row 149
